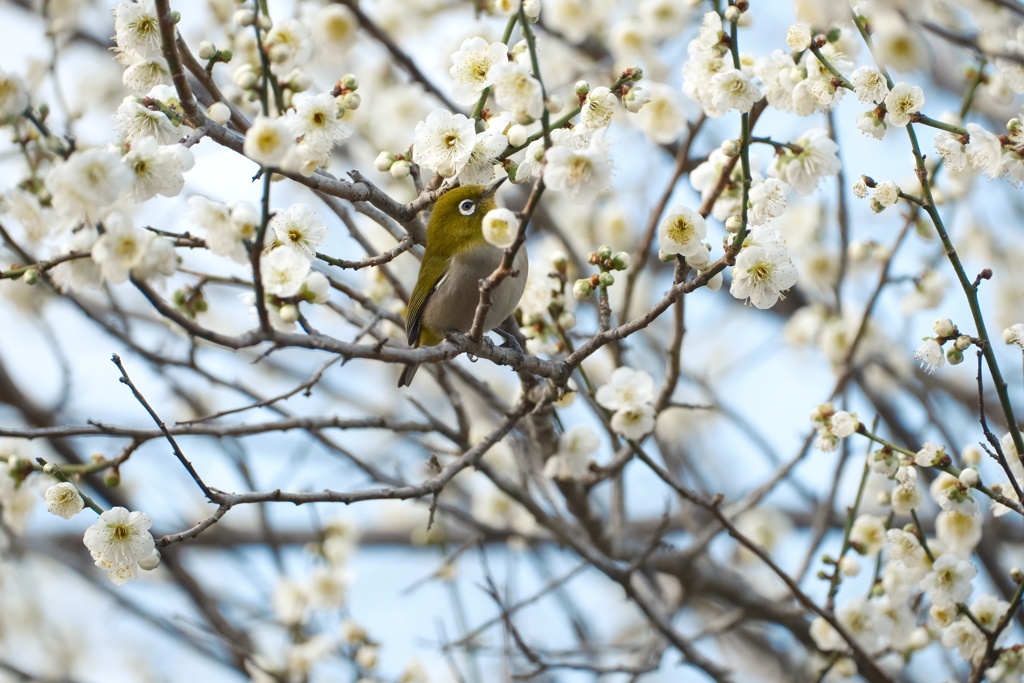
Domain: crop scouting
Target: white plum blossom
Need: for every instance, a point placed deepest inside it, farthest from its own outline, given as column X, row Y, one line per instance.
column 137, row 28
column 283, row 271
column 118, row 541
column 598, row 108
column 268, row 141
column 444, row 142
column 315, row 120
column 906, row 498
column 816, row 160
column 663, row 118
column 886, row 193
column 960, row 533
column 570, row 461
column 226, row 226
column 516, row 90
column 144, row 74
column 905, row 548
column 903, row 101
column 868, row 533
column 13, row 95
column 732, row 89
column 87, row 183
column 120, row 248
column 949, row 580
column 681, row 232
column 155, row 169
column 479, row 170
column 843, row 424
column 470, row 66
column 930, row 455
column 500, row 227
column 985, row 152
column 869, row 85
column 626, row 388
column 869, row 124
column 767, row 200
column 580, row 173
column 135, row 120
column 77, row 274
column 335, row 29
column 64, row 500
column 968, row 640
column 798, row 37
column 634, row 422
column 952, row 150
column 300, row 229
column 762, row 274
column 931, row 356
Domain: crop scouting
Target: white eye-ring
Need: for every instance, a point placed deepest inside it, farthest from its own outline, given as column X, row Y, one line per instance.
column 467, row 207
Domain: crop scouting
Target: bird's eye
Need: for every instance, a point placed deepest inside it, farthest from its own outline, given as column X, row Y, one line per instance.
column 467, row 207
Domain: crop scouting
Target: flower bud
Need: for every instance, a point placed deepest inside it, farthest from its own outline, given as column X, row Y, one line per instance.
column 1017, row 575
column 151, row 561
column 383, row 161
column 845, row 667
column 517, row 135
column 919, row 639
column 245, row 79
column 884, row 498
column 112, row 478
column 279, row 54
column 607, row 279
column 635, row 99
column 219, row 113
column 604, row 252
column 225, row 56
column 531, row 8
column 963, row 342
column 849, row 566
column 734, row 224
column 582, row 289
column 1009, row 336
column 207, row 50
column 352, row 100
column 969, row 477
column 665, row 257
column 289, row 313
column 554, row 104
column 245, row 17
column 582, row 88
column 264, row 22
column 567, row 320
column 730, row 148
column 970, row 455
column 299, row 81
column 621, row 261
column 400, row 169
column 732, row 14
column 31, row 276
column 560, row 260
column 954, row 356
column 350, row 82
column 49, row 468
column 175, row 16
column 943, row 327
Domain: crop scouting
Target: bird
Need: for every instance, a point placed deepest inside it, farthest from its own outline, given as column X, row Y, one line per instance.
column 455, row 259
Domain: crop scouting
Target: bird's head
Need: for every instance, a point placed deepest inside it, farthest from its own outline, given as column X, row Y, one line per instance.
column 457, row 220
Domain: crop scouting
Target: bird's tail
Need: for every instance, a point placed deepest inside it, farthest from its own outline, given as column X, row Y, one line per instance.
column 407, row 375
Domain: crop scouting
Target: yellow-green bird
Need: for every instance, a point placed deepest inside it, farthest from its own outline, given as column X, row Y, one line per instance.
column 456, row 258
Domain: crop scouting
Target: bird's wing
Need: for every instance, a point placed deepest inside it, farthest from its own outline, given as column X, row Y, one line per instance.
column 433, row 271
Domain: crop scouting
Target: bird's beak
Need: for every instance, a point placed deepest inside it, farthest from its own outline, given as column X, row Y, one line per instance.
column 491, row 189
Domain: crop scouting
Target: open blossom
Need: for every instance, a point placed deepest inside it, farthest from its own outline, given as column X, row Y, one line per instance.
column 120, row 248
column 444, row 142
column 949, row 581
column 516, row 90
column 843, row 424
column 868, row 533
column 951, row 149
column 77, row 274
column 681, row 232
column 662, row 119
column 155, row 169
column 87, row 182
column 634, row 422
column 985, row 152
column 571, row 461
column 64, row 500
column 732, row 89
column 470, row 66
column 13, row 95
column 268, row 141
column 767, row 200
column 931, row 356
column 137, row 29
column 144, row 74
column 886, row 193
column 626, row 388
column 905, row 548
column 283, row 271
column 762, row 274
column 226, row 226
column 315, row 120
column 968, row 640
column 133, row 120
column 903, row 101
column 906, row 498
column 580, row 173
column 300, row 229
column 598, row 108
column 816, row 160
column 930, row 455
column 119, row 541
column 500, row 227
column 479, row 170
column 869, row 85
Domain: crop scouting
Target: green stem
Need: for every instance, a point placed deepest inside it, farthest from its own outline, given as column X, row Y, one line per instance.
column 744, row 148
column 929, row 121
column 972, row 89
column 920, row 533
column 545, row 117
